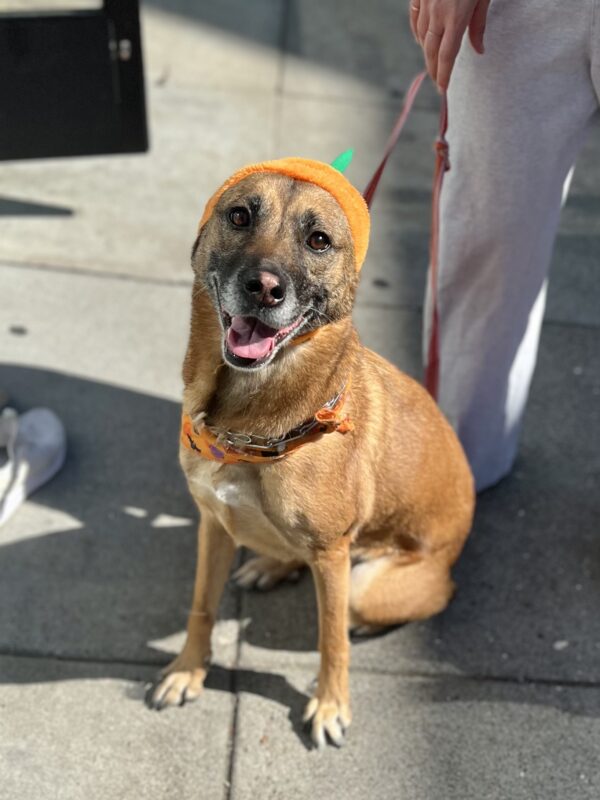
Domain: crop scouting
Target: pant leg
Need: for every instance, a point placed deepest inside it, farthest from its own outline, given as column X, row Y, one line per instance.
column 517, row 117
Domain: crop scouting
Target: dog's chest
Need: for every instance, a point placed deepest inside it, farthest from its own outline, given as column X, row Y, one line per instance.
column 213, row 488
column 220, row 488
column 233, row 494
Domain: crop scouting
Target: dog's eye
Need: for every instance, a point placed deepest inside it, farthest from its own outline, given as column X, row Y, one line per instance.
column 318, row 241
column 240, row 217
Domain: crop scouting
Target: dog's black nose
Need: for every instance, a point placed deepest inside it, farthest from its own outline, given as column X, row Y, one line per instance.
column 267, row 288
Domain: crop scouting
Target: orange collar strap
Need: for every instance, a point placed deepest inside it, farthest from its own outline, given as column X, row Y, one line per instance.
column 227, row 447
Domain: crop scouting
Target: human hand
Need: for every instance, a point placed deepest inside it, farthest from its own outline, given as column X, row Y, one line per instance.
column 439, row 26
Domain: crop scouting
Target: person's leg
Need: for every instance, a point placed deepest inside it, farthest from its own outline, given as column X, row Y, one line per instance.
column 518, row 116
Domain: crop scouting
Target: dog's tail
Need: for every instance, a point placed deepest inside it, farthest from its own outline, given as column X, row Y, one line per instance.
column 390, row 590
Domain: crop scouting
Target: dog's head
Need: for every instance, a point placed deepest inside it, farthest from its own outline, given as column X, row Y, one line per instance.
column 278, row 257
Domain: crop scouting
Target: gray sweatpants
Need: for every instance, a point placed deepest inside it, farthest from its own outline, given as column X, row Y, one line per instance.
column 518, row 116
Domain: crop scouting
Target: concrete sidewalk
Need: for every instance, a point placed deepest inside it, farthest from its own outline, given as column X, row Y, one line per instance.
column 499, row 697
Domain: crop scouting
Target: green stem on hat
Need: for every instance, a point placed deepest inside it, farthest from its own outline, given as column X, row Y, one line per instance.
column 343, row 160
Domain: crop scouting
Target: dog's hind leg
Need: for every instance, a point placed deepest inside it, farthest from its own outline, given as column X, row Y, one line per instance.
column 262, row 572
column 393, row 589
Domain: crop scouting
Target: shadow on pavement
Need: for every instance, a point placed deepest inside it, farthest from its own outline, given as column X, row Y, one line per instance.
column 10, row 207
column 119, row 575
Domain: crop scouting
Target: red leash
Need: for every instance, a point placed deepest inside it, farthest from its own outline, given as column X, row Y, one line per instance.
column 442, row 164
column 413, row 91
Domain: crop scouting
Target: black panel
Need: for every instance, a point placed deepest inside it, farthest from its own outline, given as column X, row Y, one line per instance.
column 72, row 83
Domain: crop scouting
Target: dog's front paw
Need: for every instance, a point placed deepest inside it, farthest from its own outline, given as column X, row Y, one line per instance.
column 181, row 682
column 329, row 719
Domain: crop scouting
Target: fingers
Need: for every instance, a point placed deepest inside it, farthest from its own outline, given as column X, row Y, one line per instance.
column 448, row 50
column 431, row 49
column 413, row 15
column 440, row 40
column 439, row 28
column 477, row 25
column 423, row 20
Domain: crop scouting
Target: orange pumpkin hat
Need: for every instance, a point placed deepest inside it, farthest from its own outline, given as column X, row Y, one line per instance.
column 328, row 177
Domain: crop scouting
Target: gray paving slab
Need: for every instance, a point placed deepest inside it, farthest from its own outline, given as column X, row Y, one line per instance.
column 138, row 214
column 574, row 288
column 415, row 739
column 72, row 731
column 337, row 49
column 100, row 563
column 526, row 603
column 317, row 128
column 583, row 197
column 229, row 45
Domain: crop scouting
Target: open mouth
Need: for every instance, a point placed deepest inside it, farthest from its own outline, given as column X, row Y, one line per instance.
column 249, row 343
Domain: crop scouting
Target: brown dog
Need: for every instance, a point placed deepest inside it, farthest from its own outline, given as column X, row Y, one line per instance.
column 380, row 512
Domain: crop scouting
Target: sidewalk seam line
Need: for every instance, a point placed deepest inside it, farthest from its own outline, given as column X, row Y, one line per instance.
column 41, row 266
column 235, row 692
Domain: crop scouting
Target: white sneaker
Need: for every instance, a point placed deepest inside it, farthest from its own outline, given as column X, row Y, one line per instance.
column 36, row 445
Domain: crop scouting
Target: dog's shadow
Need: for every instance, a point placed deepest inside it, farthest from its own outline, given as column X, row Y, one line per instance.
column 109, row 578
column 115, row 575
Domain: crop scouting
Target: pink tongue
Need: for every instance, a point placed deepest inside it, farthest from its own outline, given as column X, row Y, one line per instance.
column 249, row 338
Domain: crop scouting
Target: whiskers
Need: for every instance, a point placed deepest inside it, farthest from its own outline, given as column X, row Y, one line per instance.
column 320, row 313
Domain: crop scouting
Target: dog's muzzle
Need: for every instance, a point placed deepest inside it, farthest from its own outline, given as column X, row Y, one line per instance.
column 259, row 314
